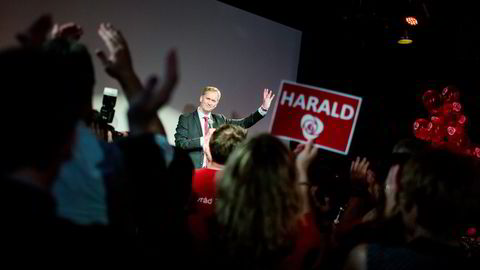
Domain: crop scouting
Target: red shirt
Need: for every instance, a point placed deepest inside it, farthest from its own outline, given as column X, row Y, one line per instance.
column 203, row 191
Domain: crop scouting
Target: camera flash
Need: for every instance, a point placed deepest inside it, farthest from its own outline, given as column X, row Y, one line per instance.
column 110, row 92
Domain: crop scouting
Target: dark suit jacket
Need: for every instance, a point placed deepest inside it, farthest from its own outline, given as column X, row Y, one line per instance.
column 189, row 131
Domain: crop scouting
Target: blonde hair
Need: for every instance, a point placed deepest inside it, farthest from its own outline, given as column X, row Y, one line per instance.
column 258, row 201
column 211, row 89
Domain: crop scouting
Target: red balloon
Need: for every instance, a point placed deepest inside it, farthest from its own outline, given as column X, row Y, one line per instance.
column 447, row 122
column 451, row 130
column 454, row 119
column 476, row 151
column 454, row 107
column 457, row 107
column 438, row 135
column 455, row 132
column 432, row 101
column 450, row 94
column 438, row 130
column 437, row 120
column 423, row 129
column 473, row 151
column 456, row 140
column 462, row 120
column 461, row 143
column 418, row 123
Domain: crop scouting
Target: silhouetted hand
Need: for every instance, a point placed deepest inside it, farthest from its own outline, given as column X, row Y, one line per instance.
column 358, row 169
column 145, row 104
column 299, row 149
column 43, row 29
column 307, row 154
column 69, row 31
column 117, row 61
column 361, row 175
column 37, row 33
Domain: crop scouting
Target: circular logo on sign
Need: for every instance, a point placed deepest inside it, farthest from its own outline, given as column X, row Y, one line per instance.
column 311, row 126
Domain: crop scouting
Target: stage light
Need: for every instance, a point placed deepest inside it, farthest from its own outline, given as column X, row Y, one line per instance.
column 411, row 20
column 405, row 40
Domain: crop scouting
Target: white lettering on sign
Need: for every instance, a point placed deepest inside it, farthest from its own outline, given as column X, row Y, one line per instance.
column 287, row 98
column 343, row 114
column 334, row 110
column 325, row 107
column 312, row 103
column 300, row 102
column 346, row 111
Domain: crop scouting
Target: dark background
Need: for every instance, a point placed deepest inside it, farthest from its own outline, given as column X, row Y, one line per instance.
column 351, row 46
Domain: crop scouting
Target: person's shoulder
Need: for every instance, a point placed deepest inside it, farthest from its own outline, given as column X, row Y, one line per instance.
column 357, row 259
column 218, row 116
column 188, row 114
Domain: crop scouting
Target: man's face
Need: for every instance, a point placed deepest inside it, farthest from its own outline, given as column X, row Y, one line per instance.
column 209, row 101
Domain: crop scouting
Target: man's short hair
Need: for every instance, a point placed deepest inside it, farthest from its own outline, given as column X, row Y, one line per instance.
column 211, row 89
column 224, row 140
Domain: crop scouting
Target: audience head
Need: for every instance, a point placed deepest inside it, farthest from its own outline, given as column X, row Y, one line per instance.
column 258, row 199
column 392, row 169
column 439, row 190
column 81, row 77
column 40, row 108
column 410, row 146
column 224, row 140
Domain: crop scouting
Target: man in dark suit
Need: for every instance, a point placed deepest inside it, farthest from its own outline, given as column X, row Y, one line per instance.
column 194, row 129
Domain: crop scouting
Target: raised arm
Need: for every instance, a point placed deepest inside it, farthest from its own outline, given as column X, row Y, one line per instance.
column 256, row 116
column 268, row 96
column 118, row 64
column 117, row 61
column 44, row 29
column 145, row 104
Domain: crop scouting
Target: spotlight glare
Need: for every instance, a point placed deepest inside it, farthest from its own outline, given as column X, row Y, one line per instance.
column 411, row 20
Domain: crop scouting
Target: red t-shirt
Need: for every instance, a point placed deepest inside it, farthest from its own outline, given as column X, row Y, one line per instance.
column 203, row 191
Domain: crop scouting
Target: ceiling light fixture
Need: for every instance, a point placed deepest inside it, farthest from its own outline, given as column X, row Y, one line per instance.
column 411, row 20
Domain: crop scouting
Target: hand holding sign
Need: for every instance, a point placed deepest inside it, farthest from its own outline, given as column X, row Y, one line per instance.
column 304, row 159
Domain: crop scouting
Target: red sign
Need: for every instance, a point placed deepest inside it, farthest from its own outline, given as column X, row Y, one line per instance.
column 305, row 112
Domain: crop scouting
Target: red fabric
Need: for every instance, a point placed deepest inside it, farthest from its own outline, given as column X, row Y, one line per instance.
column 308, row 242
column 203, row 190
